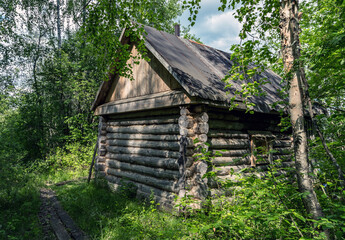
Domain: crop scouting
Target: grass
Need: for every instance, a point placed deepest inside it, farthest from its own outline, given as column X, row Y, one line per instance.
column 20, row 200
column 106, row 215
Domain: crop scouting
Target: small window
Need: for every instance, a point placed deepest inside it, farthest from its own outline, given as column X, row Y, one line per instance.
column 260, row 149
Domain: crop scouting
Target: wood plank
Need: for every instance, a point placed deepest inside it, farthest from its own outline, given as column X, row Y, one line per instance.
column 153, row 101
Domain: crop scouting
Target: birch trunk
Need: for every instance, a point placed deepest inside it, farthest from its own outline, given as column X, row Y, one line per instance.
column 290, row 49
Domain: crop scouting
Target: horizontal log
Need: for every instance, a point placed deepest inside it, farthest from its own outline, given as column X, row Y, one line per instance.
column 151, row 181
column 142, row 122
column 162, row 203
column 166, row 163
column 142, row 187
column 284, row 158
column 157, row 192
column 282, row 151
column 226, row 170
column 221, row 116
column 230, row 161
column 282, row 143
column 218, row 124
column 154, row 172
column 147, row 151
column 231, row 153
column 138, row 136
column 229, row 143
column 229, row 134
column 151, row 129
column 170, row 112
column 145, row 144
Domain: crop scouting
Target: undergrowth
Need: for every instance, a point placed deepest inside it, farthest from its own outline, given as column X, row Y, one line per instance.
column 20, row 184
column 106, row 215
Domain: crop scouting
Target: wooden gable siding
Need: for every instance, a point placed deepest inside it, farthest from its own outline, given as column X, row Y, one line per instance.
column 149, row 77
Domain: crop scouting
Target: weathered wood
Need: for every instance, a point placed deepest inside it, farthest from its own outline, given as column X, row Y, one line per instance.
column 227, row 134
column 282, row 151
column 144, row 144
column 173, row 112
column 157, row 192
column 100, row 159
column 143, row 151
column 143, row 122
column 142, row 187
column 184, row 111
column 186, row 121
column 282, row 143
column 218, row 124
column 229, row 143
column 186, row 132
column 232, row 153
column 231, row 161
column 153, row 101
column 202, row 128
column 168, row 163
column 152, row 129
column 226, row 170
column 162, row 203
column 151, row 181
column 154, row 172
column 202, row 138
column 138, row 136
column 202, row 117
column 222, row 116
column 100, row 166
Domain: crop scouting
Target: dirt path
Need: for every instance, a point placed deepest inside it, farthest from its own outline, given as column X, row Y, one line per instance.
column 56, row 223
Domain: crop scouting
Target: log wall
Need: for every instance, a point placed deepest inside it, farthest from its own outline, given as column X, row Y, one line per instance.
column 230, row 136
column 142, row 148
column 156, row 150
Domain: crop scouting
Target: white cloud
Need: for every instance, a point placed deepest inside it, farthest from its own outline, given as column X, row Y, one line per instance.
column 215, row 28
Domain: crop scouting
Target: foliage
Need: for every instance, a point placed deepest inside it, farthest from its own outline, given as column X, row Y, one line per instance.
column 19, row 201
column 105, row 215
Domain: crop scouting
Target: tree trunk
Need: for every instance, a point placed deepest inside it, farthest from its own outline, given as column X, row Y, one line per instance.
column 318, row 131
column 290, row 50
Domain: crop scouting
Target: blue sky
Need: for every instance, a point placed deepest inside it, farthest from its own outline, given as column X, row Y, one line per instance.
column 215, row 28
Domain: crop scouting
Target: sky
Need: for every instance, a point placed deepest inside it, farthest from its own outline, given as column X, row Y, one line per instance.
column 214, row 28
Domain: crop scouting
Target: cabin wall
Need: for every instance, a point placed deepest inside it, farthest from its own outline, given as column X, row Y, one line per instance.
column 231, row 134
column 142, row 148
column 157, row 150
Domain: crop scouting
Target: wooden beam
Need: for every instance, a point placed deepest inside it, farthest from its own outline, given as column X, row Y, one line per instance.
column 152, row 101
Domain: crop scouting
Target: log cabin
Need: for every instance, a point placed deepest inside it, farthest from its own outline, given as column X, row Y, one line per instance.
column 150, row 127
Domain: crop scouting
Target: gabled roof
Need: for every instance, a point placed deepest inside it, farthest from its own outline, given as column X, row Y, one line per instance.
column 199, row 69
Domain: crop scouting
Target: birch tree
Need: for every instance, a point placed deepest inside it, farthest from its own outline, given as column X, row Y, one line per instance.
column 263, row 22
